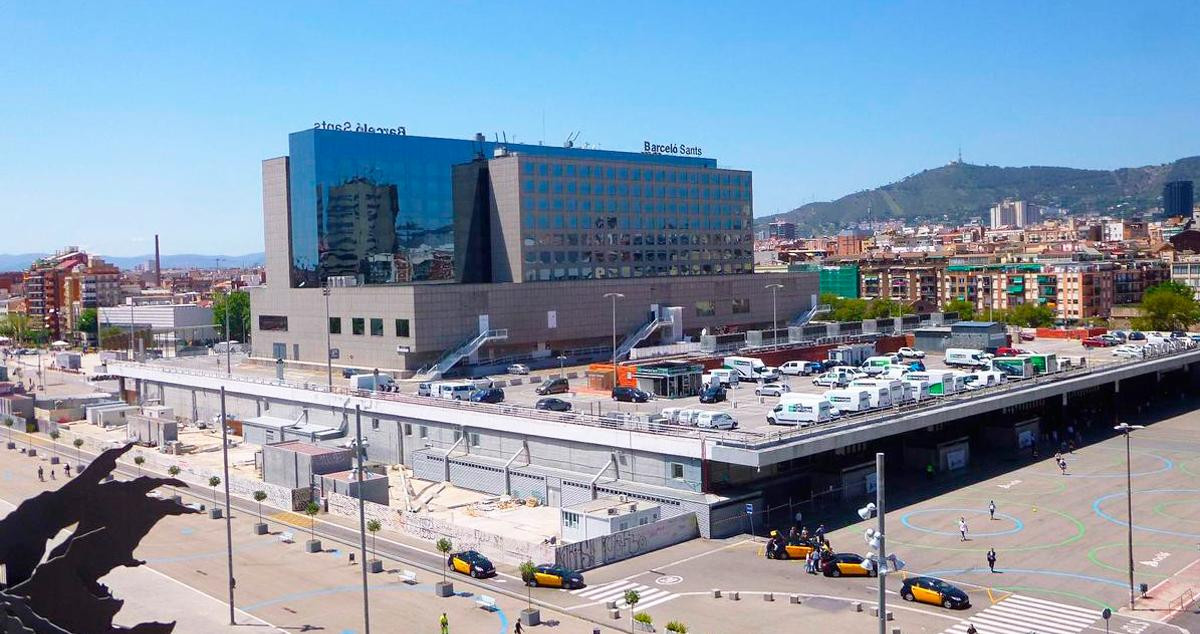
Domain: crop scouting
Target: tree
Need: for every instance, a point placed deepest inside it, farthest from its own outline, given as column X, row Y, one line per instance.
column 173, row 471
column 631, row 599
column 677, row 627
column 213, row 482
column 311, row 509
column 54, row 435
column 1168, row 306
column 528, row 571
column 965, row 309
column 259, row 496
column 141, row 460
column 238, row 304
column 444, row 545
column 15, row 325
column 373, row 527
column 1028, row 316
column 882, row 308
column 86, row 322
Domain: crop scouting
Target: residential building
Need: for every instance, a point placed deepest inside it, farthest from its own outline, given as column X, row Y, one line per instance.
column 915, row 279
column 60, row 286
column 1012, row 213
column 1186, row 270
column 850, row 242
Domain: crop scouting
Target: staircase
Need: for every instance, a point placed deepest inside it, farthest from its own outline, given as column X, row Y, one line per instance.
column 808, row 315
column 637, row 336
column 457, row 353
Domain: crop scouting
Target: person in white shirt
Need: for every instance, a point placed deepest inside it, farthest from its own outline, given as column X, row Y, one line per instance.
column 962, row 528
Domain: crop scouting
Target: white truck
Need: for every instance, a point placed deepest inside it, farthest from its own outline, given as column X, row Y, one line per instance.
column 800, row 409
column 849, row 399
column 967, row 357
column 726, row 376
column 372, row 382
column 751, row 369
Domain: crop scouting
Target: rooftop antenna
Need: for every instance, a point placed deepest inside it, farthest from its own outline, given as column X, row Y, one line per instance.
column 960, row 154
column 505, row 135
column 570, row 142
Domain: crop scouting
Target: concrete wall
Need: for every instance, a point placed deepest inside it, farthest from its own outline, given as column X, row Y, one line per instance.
column 638, row 540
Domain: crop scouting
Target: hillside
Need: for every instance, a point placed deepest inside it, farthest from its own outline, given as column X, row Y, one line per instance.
column 961, row 190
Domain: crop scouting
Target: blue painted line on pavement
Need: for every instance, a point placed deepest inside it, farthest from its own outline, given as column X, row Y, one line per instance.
column 1049, row 573
column 1018, row 525
column 1167, row 465
column 1102, row 499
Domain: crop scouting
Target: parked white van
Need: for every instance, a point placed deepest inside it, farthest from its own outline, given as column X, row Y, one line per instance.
column 877, row 365
column 751, row 369
column 370, row 382
column 800, row 409
column 966, row 357
column 894, row 373
column 455, row 390
column 727, row 377
column 849, row 399
column 715, row 420
column 984, row 378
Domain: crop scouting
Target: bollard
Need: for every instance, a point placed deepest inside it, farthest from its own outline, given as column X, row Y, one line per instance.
column 889, row 615
column 768, row 596
column 875, row 612
column 795, row 598
column 895, row 630
column 856, row 606
column 611, row 605
column 614, row 614
column 716, row 593
column 735, row 596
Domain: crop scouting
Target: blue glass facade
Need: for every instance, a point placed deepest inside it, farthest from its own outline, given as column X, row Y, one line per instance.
column 380, row 207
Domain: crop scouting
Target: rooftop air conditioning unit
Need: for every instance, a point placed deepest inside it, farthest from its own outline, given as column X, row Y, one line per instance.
column 633, row 508
column 612, row 511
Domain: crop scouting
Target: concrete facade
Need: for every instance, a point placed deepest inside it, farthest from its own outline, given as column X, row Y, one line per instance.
column 293, row 464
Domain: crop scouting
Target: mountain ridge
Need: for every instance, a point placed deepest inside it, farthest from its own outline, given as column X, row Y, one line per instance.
column 958, row 191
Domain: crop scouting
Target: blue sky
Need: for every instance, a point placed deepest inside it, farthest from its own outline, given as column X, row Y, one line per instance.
column 119, row 120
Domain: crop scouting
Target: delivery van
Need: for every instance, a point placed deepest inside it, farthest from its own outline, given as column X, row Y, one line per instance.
column 966, row 357
column 800, row 409
column 877, row 365
column 373, row 382
column 849, row 399
column 751, row 369
column 455, row 390
column 715, row 420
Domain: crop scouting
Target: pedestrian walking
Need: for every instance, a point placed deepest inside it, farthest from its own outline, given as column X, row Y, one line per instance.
column 1062, row 464
column 809, row 561
column 41, row 474
column 52, row 474
column 992, row 509
column 971, row 629
column 929, row 471
column 68, row 470
column 820, row 533
column 517, row 629
column 962, row 528
column 445, row 623
column 991, row 559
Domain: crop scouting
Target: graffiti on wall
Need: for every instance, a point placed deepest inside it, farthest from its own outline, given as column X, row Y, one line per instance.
column 607, row 549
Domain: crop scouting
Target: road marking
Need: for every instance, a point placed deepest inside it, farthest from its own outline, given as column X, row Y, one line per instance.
column 615, row 591
column 1158, row 558
column 668, row 580
column 1019, row 614
column 1009, row 485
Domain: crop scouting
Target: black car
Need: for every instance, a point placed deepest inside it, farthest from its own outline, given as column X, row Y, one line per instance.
column 552, row 404
column 471, row 563
column 488, row 395
column 349, row 372
column 553, row 386
column 935, row 592
column 629, row 395
column 713, row 394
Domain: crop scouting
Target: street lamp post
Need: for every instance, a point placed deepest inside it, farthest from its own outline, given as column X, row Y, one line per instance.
column 362, row 515
column 1126, row 428
column 774, row 314
column 614, row 297
column 328, row 341
column 562, row 360
column 228, row 518
column 882, row 555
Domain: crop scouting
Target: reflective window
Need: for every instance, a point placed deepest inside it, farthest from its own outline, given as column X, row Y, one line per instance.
column 335, row 325
column 273, row 322
column 402, row 328
column 357, row 326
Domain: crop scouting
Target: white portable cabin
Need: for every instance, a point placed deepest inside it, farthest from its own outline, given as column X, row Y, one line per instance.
column 884, row 393
column 850, row 399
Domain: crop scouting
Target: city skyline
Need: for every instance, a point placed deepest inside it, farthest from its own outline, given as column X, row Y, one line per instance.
column 175, row 131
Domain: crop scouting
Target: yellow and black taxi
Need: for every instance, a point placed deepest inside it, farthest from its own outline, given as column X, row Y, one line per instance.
column 552, row 576
column 935, row 592
column 471, row 563
column 778, row 548
column 845, row 565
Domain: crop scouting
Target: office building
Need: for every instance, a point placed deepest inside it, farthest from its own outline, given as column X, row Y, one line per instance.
column 782, row 230
column 438, row 250
column 1178, row 198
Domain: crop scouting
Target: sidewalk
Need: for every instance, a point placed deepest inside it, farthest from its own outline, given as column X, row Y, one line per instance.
column 1171, row 595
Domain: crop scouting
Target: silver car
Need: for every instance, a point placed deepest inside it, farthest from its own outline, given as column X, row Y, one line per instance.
column 772, row 389
column 518, row 368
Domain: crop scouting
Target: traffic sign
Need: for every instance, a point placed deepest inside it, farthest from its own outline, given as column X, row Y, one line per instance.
column 335, row 353
column 749, row 509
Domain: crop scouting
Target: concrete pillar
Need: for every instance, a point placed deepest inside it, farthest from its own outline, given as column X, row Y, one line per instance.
column 716, row 593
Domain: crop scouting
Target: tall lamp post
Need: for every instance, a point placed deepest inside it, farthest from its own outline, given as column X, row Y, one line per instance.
column 614, row 297
column 1126, row 428
column 562, row 360
column 328, row 341
column 774, row 315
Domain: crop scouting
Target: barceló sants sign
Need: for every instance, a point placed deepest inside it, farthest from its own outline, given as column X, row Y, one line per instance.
column 347, row 126
column 670, row 148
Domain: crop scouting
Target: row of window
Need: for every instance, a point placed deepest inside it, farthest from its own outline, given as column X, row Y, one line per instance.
column 709, row 308
column 531, row 203
column 585, row 188
column 674, row 255
column 570, row 170
column 358, row 326
column 589, row 239
column 600, row 272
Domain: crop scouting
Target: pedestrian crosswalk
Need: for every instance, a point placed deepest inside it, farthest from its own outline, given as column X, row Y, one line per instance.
column 648, row 596
column 1019, row 614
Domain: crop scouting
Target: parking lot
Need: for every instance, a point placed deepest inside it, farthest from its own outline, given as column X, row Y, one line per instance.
column 748, row 409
